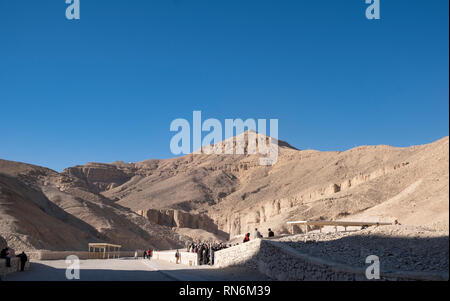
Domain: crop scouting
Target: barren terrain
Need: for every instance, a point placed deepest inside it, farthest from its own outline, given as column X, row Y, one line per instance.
column 163, row 203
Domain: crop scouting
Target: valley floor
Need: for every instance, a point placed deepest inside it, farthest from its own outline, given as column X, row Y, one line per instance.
column 402, row 250
column 132, row 270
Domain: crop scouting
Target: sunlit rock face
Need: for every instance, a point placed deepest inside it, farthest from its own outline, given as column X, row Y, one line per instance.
column 179, row 219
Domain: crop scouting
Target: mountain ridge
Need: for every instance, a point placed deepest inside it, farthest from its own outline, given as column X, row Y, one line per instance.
column 102, row 201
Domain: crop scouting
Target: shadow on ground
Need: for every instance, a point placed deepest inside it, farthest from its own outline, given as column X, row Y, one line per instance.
column 45, row 272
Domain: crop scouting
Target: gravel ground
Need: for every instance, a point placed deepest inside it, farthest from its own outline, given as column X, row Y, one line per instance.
column 399, row 248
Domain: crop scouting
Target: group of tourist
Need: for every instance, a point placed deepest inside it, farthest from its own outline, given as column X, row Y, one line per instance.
column 147, row 254
column 215, row 246
column 205, row 251
column 4, row 254
column 257, row 234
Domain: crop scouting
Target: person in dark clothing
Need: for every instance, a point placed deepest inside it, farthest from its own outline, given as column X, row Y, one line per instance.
column 4, row 255
column 271, row 234
column 23, row 260
column 205, row 256
column 177, row 257
column 199, row 255
column 145, row 254
column 247, row 237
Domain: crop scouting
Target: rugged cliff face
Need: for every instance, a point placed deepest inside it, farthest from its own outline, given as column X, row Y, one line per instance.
column 179, row 219
column 100, row 177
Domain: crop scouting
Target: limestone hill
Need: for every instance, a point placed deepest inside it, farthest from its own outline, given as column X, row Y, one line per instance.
column 42, row 209
column 377, row 183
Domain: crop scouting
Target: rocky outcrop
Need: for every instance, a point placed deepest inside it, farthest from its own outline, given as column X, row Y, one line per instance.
column 100, row 177
column 179, row 219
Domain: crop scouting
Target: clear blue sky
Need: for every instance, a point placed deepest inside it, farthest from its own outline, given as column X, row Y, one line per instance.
column 107, row 87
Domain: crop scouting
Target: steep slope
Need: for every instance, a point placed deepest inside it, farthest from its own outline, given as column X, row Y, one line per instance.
column 37, row 224
column 41, row 209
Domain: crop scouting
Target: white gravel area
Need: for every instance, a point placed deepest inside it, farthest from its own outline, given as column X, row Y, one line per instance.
column 399, row 248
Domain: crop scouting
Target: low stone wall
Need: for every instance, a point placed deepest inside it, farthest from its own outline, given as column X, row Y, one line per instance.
column 61, row 255
column 280, row 262
column 15, row 266
column 56, row 255
column 243, row 254
column 186, row 258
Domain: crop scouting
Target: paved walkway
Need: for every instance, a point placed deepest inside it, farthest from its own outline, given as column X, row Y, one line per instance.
column 131, row 270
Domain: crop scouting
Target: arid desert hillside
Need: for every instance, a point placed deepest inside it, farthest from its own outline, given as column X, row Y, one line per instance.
column 370, row 183
column 41, row 209
column 164, row 203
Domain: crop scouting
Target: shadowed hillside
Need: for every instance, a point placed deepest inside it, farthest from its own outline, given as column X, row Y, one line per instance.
column 41, row 209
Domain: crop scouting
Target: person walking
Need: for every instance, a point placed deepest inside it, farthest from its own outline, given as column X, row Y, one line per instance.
column 247, row 237
column 177, row 257
column 23, row 260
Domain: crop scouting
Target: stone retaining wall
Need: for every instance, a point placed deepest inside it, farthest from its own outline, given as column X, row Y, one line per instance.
column 281, row 262
column 186, row 258
column 243, row 254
